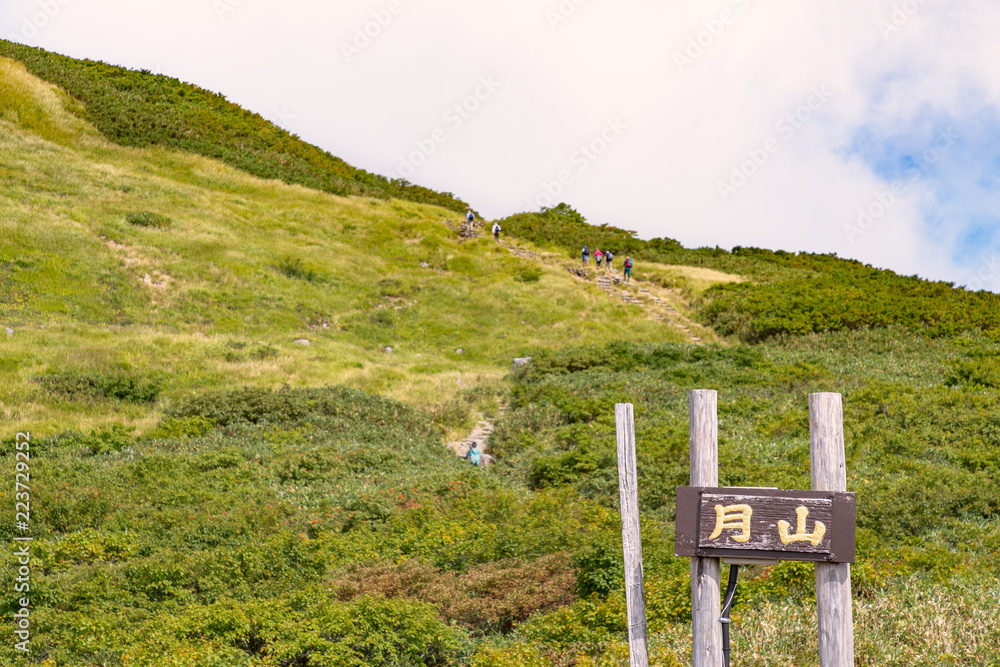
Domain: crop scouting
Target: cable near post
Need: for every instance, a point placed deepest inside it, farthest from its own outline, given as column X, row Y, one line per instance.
column 734, row 573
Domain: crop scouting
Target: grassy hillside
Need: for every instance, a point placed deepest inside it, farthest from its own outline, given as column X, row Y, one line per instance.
column 790, row 293
column 237, row 269
column 137, row 108
column 207, row 491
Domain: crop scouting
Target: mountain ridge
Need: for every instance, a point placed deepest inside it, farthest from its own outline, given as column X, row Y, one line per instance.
column 139, row 108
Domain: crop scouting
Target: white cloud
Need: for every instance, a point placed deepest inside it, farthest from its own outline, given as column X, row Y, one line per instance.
column 686, row 129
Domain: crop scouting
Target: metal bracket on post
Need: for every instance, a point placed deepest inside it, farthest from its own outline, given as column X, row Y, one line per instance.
column 734, row 573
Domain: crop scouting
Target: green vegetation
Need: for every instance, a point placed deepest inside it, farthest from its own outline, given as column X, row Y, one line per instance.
column 788, row 293
column 923, row 455
column 244, row 269
column 293, row 268
column 137, row 108
column 849, row 296
column 148, row 219
column 237, row 417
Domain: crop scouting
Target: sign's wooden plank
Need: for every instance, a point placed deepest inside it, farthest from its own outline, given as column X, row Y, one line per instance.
column 686, row 523
column 842, row 542
column 765, row 524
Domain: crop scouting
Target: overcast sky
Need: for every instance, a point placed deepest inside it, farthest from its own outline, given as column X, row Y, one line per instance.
column 868, row 128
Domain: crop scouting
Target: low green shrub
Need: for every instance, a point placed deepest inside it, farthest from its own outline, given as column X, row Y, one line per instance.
column 181, row 427
column 295, row 268
column 493, row 597
column 529, row 274
column 237, row 351
column 254, row 406
column 848, row 296
column 113, row 439
column 148, row 219
column 79, row 385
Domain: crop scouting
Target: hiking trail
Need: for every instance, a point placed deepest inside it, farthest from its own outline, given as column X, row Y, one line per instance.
column 480, row 435
column 663, row 304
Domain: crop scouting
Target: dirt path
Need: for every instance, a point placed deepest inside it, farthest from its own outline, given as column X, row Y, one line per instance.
column 663, row 304
column 480, row 435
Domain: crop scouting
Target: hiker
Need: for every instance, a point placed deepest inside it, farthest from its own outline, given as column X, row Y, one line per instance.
column 496, row 232
column 473, row 454
column 586, row 255
column 607, row 259
column 469, row 217
column 628, row 268
column 598, row 256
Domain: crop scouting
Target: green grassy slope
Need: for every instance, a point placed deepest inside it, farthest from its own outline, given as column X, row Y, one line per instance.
column 206, row 491
column 134, row 108
column 790, row 293
column 243, row 269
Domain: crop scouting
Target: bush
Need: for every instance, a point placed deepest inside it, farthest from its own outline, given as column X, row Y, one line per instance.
column 148, row 219
column 179, row 428
column 113, row 439
column 294, row 268
column 847, row 296
column 529, row 274
column 113, row 386
column 599, row 571
column 491, row 597
column 362, row 415
column 237, row 351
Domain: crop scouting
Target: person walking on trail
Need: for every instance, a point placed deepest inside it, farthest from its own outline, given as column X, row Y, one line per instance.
column 473, row 455
column 607, row 259
column 496, row 232
column 469, row 217
column 586, row 255
column 598, row 256
column 628, row 268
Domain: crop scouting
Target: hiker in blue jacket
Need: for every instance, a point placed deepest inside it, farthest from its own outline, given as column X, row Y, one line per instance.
column 473, row 454
column 586, row 255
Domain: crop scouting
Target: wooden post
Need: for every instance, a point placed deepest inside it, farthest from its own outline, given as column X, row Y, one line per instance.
column 705, row 606
column 628, row 489
column 833, row 580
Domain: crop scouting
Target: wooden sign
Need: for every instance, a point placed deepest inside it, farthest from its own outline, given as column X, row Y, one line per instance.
column 765, row 524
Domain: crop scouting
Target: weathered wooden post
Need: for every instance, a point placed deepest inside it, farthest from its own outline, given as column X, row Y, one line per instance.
column 705, row 605
column 833, row 580
column 628, row 489
column 765, row 525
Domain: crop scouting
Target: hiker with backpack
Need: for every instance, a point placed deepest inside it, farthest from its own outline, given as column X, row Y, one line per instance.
column 586, row 255
column 473, row 455
column 608, row 256
column 598, row 256
column 469, row 217
column 628, row 268
column 496, row 231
